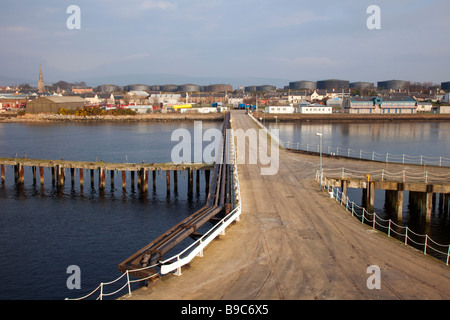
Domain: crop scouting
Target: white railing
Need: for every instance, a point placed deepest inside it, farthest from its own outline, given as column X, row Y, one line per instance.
column 370, row 155
column 187, row 255
column 401, row 176
column 387, row 226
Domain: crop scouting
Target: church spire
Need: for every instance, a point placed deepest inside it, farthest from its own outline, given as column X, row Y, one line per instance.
column 41, row 85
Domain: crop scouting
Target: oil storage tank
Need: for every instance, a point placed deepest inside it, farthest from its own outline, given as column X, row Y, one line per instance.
column 303, row 85
column 108, row 88
column 189, row 88
column 362, row 85
column 218, row 88
column 137, row 87
column 169, row 88
column 333, row 84
column 266, row 88
column 394, row 85
column 445, row 86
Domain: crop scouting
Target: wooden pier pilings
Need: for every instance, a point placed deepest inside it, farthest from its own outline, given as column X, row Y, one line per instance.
column 141, row 171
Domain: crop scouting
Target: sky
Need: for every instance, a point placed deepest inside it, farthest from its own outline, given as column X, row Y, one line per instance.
column 290, row 40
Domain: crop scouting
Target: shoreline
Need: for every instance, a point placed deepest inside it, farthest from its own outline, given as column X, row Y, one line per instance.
column 169, row 117
column 352, row 118
column 158, row 117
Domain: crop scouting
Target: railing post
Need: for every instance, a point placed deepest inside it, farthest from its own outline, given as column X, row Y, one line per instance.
column 101, row 291
column 128, row 283
column 387, row 157
column 374, row 217
column 406, row 236
column 353, row 209
column 425, row 247
column 178, row 272
column 448, row 254
column 362, row 219
column 389, row 229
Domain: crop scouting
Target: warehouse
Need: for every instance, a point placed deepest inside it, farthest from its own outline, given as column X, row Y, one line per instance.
column 52, row 104
column 378, row 105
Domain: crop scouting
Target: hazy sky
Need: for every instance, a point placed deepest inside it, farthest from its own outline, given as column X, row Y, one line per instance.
column 285, row 39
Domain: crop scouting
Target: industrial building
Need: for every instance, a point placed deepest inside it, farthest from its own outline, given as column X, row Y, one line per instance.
column 303, row 85
column 445, row 86
column 394, row 85
column 333, row 84
column 280, row 109
column 378, row 105
column 250, row 89
column 52, row 104
column 307, row 108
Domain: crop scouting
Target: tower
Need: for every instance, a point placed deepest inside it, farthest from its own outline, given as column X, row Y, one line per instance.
column 41, row 85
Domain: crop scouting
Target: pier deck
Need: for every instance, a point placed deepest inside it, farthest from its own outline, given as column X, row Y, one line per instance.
column 294, row 242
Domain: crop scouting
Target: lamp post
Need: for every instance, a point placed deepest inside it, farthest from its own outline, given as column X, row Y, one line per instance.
column 321, row 171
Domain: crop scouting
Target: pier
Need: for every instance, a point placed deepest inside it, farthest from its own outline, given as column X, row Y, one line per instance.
column 422, row 194
column 140, row 174
column 294, row 242
column 220, row 201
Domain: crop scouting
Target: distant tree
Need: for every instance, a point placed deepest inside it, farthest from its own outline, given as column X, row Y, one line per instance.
column 24, row 86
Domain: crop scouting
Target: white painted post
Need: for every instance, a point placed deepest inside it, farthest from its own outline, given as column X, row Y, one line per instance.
column 128, row 283
column 425, row 247
column 389, row 230
column 406, row 236
column 374, row 217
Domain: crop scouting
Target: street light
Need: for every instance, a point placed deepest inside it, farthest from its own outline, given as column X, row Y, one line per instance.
column 321, row 171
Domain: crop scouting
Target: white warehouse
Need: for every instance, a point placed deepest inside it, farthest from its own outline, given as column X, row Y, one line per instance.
column 280, row 109
column 314, row 109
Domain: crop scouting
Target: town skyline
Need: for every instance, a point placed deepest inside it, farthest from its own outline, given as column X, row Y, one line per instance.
column 287, row 40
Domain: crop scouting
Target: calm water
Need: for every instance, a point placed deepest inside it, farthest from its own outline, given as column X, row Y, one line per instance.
column 44, row 230
column 414, row 139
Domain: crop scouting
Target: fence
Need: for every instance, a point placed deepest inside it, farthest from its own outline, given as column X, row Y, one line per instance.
column 370, row 155
column 387, row 226
column 187, row 255
column 401, row 176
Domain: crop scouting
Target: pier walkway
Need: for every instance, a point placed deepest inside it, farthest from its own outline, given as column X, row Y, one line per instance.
column 294, row 242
